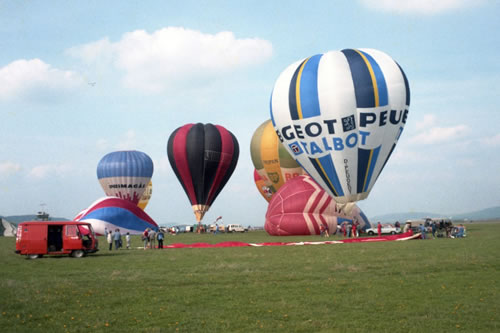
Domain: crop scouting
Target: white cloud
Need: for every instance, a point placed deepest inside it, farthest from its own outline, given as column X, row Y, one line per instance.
column 128, row 142
column 174, row 55
column 428, row 121
column 99, row 51
column 443, row 91
column 421, row 6
column 406, row 156
column 492, row 141
column 162, row 165
column 34, row 79
column 49, row 170
column 8, row 168
column 102, row 144
column 440, row 134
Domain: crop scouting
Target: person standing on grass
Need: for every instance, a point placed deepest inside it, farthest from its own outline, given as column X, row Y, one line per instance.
column 379, row 229
column 354, row 230
column 434, row 228
column 127, row 239
column 152, row 239
column 422, row 231
column 324, row 230
column 117, row 238
column 145, row 238
column 109, row 238
column 160, row 237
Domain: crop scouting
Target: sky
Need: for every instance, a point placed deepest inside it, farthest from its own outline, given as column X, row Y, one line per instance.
column 80, row 79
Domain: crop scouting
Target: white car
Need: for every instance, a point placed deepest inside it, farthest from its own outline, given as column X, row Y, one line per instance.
column 386, row 229
column 235, row 228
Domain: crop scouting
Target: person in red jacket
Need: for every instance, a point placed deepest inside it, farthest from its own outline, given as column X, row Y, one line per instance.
column 379, row 229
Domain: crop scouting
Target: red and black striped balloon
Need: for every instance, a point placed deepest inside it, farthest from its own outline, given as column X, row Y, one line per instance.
column 203, row 157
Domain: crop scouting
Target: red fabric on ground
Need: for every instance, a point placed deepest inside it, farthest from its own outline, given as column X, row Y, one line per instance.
column 378, row 239
column 406, row 236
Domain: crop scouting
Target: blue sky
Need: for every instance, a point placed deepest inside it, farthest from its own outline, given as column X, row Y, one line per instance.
column 81, row 79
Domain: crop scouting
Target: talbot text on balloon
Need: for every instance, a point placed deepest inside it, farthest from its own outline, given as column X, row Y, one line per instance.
column 338, row 144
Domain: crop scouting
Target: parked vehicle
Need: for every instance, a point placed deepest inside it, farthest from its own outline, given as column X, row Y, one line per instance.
column 37, row 238
column 216, row 227
column 414, row 225
column 235, row 228
column 386, row 229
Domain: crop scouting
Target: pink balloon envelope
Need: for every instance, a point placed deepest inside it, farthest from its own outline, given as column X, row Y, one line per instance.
column 301, row 206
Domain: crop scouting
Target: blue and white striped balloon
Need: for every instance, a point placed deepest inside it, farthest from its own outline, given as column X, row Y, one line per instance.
column 125, row 174
column 340, row 115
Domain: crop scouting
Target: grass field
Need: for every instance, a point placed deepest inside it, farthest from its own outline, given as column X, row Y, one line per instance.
column 441, row 285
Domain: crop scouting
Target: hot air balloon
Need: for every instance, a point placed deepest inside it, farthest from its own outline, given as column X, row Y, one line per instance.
column 203, row 157
column 111, row 213
column 125, row 174
column 146, row 196
column 262, row 187
column 340, row 115
column 271, row 160
column 301, row 206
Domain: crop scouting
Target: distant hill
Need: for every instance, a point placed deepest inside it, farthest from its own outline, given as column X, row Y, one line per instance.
column 401, row 217
column 21, row 218
column 484, row 214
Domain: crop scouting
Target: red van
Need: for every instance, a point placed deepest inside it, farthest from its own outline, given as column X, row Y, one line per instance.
column 37, row 238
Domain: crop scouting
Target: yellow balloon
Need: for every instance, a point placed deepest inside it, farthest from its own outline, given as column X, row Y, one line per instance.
column 143, row 202
column 271, row 160
column 263, row 189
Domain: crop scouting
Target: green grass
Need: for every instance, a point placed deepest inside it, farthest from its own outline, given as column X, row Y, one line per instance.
column 441, row 285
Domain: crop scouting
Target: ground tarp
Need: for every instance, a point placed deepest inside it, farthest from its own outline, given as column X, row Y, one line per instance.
column 399, row 237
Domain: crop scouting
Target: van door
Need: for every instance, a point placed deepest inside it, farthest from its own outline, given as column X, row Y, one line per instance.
column 54, row 238
column 35, row 238
column 72, row 238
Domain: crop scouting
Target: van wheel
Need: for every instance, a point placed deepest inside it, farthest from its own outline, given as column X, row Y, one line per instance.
column 393, row 232
column 33, row 256
column 371, row 233
column 77, row 253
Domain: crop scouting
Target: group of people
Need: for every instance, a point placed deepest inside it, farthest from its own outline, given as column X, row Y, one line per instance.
column 350, row 230
column 150, row 236
column 437, row 228
column 116, row 238
column 458, row 231
column 346, row 228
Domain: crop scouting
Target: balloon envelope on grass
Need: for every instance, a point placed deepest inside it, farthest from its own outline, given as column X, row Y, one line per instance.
column 340, row 115
column 301, row 206
column 112, row 213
